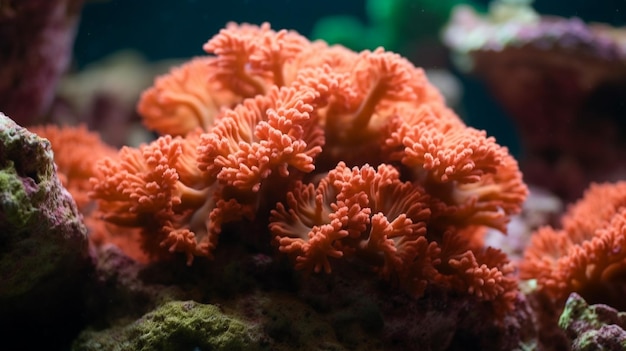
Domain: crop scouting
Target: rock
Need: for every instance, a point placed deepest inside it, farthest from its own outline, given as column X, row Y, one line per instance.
column 36, row 39
column 175, row 325
column 593, row 327
column 43, row 244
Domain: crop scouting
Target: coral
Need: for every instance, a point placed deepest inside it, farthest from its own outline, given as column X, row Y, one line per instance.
column 156, row 189
column 36, row 41
column 356, row 212
column 201, row 326
column 595, row 327
column 587, row 255
column 184, row 99
column 43, row 246
column 540, row 209
column 344, row 156
column 560, row 80
column 251, row 59
column 269, row 134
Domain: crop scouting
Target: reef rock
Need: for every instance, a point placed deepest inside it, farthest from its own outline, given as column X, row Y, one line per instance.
column 176, row 325
column 36, row 39
column 43, row 244
column 595, row 327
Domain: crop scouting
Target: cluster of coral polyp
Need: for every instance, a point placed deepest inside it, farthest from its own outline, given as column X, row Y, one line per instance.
column 587, row 254
column 333, row 156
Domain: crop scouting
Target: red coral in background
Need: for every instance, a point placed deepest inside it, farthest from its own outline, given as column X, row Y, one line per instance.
column 588, row 255
column 76, row 151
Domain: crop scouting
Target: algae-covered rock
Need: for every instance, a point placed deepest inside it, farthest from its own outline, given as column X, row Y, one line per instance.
column 176, row 325
column 43, row 243
column 593, row 328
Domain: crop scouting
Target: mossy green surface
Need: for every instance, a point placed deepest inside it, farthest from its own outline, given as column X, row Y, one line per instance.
column 14, row 201
column 593, row 327
column 176, row 325
column 42, row 237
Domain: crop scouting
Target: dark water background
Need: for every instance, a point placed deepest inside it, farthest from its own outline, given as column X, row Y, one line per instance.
column 178, row 28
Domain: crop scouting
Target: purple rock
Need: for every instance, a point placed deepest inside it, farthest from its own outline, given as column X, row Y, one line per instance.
column 36, row 39
column 44, row 256
column 593, row 327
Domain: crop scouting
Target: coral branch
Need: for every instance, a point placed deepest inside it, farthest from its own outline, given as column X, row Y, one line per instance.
column 261, row 136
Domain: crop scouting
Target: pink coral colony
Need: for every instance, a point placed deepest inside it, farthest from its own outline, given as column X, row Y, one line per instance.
column 340, row 156
column 587, row 254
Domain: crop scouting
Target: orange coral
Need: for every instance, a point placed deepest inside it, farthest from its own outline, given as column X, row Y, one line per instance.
column 588, row 255
column 154, row 188
column 484, row 273
column 359, row 211
column 370, row 214
column 251, row 59
column 266, row 134
column 184, row 99
column 372, row 94
column 488, row 202
column 356, row 153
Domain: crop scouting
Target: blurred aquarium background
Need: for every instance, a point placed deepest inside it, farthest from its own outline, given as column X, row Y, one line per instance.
column 177, row 29
column 169, row 29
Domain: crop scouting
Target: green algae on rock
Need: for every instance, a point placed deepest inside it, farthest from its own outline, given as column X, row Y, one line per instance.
column 44, row 258
column 595, row 327
column 176, row 325
column 41, row 230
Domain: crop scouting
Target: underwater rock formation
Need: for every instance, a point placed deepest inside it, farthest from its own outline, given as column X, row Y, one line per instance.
column 173, row 326
column 282, row 310
column 43, row 242
column 593, row 327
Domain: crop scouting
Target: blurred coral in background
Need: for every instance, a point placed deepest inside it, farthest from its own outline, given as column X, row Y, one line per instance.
column 586, row 256
column 562, row 82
